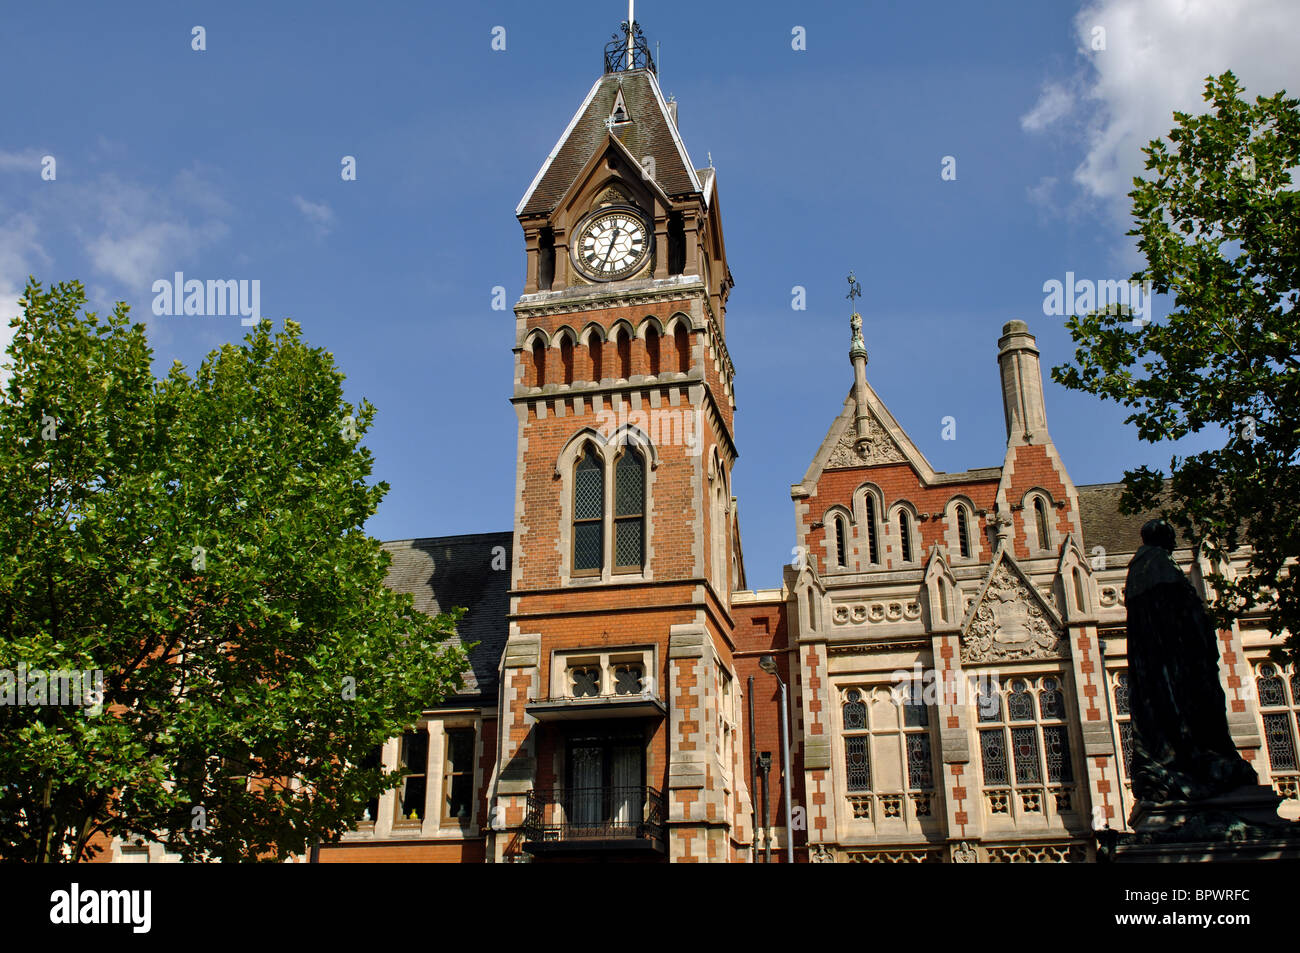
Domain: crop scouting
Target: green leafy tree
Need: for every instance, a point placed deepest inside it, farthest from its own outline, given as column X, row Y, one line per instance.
column 200, row 542
column 1218, row 221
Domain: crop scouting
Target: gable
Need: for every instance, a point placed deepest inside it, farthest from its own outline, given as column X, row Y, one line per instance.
column 1010, row 620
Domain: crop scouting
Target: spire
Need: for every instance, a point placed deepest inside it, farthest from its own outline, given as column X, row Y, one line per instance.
column 858, row 356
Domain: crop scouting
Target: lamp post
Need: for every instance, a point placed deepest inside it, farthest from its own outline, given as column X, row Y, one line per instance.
column 768, row 664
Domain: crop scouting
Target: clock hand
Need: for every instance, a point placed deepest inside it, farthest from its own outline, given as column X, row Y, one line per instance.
column 612, row 239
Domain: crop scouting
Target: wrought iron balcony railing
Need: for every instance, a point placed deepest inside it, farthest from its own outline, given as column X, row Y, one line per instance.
column 616, row 51
column 600, row 818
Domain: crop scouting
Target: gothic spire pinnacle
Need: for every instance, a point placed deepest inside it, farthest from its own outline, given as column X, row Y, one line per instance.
column 858, row 346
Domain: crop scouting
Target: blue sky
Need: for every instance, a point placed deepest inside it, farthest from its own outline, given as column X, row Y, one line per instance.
column 225, row 163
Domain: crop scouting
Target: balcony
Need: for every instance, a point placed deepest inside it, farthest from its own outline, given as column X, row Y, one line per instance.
column 594, row 819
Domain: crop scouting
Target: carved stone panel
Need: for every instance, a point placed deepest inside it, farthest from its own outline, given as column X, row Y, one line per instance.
column 1010, row 623
column 879, row 447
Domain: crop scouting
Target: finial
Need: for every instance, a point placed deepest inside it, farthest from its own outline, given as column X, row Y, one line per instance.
column 710, row 159
column 859, row 346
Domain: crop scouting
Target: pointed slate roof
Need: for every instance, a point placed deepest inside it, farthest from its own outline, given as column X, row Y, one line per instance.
column 442, row 572
column 650, row 133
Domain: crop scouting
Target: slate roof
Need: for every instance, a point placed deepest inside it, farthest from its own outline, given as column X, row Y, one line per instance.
column 1103, row 523
column 650, row 133
column 446, row 571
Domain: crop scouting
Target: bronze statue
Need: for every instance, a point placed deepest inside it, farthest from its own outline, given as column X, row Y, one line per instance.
column 1182, row 750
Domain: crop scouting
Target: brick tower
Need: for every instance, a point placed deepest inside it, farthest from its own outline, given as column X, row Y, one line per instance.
column 619, row 704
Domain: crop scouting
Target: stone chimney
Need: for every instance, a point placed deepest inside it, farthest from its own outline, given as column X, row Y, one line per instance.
column 1022, row 386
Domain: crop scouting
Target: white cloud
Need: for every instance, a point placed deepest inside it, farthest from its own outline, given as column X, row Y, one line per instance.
column 1054, row 102
column 28, row 160
column 318, row 214
column 19, row 249
column 1158, row 54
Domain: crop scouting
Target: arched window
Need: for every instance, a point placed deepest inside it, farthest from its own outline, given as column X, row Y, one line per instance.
column 963, row 532
column 566, row 358
column 1281, row 718
column 841, row 543
column 873, row 548
column 1040, row 521
column 1025, row 755
column 539, row 362
column 624, row 346
column 905, row 535
column 588, row 513
column 1078, row 589
column 682, row 345
column 652, row 350
column 629, row 511
column 595, row 348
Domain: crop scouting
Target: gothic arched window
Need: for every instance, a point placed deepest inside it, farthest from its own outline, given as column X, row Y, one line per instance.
column 539, row 363
column 682, row 345
column 629, row 511
column 566, row 358
column 841, row 543
column 1040, row 521
column 963, row 532
column 588, row 513
column 652, row 350
column 873, row 547
column 905, row 535
column 623, row 344
column 595, row 347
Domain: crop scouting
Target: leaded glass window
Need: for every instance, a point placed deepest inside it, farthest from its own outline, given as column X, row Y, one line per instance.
column 1020, row 704
column 920, row 766
column 1281, row 726
column 629, row 510
column 1269, row 684
column 855, row 710
column 1050, row 702
column 1121, row 694
column 1126, row 745
column 1281, row 748
column 1024, row 747
column 1056, row 746
column 588, row 513
column 1027, row 749
column 887, row 751
column 857, row 766
column 994, row 756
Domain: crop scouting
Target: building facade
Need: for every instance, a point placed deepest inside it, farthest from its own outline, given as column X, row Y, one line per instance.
column 953, row 643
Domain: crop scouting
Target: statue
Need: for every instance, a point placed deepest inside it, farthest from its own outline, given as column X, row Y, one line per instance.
column 1182, row 750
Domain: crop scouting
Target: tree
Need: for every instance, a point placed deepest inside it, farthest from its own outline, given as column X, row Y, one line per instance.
column 200, row 542
column 1218, row 221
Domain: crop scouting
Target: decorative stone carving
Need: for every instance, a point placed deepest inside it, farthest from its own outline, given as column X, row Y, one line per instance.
column 932, row 855
column 879, row 447
column 861, row 612
column 964, row 853
column 1010, row 623
column 821, row 854
column 1039, row 854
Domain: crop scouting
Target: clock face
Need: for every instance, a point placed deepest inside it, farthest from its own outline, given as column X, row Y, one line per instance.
column 611, row 245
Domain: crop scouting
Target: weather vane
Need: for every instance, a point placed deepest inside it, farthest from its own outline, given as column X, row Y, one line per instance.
column 855, row 289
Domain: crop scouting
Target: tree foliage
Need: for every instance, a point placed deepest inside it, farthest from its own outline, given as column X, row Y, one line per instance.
column 1218, row 220
column 200, row 541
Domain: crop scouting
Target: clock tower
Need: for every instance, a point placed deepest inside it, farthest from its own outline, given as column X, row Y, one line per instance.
column 619, row 709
